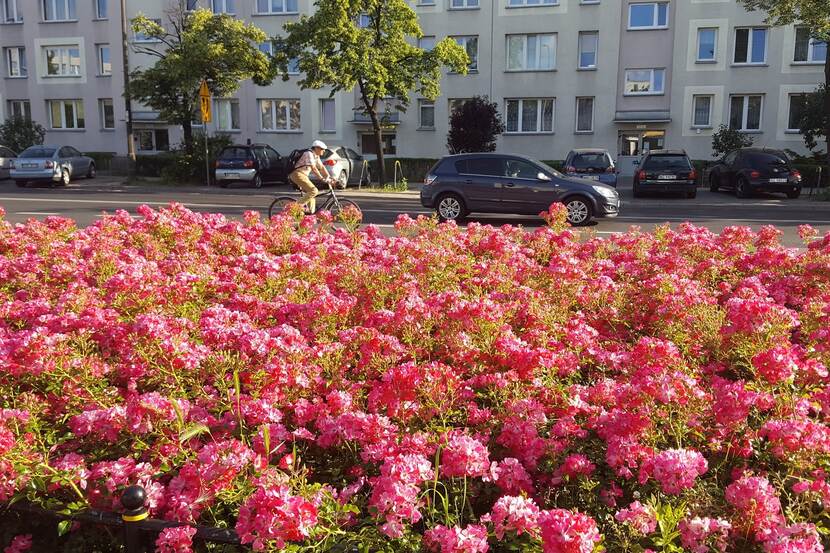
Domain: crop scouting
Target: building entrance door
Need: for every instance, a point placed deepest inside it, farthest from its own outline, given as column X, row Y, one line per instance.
column 632, row 145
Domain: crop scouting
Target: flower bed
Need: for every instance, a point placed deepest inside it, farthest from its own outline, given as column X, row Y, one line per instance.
column 448, row 389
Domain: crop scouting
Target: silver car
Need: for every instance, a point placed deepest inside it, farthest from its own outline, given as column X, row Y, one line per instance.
column 52, row 164
column 6, row 156
column 346, row 166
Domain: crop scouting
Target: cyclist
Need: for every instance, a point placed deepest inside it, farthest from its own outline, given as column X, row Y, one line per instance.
column 308, row 163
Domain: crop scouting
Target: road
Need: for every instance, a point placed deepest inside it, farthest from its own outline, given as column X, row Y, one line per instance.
column 84, row 201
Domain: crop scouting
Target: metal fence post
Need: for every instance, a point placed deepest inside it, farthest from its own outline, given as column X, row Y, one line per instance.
column 133, row 500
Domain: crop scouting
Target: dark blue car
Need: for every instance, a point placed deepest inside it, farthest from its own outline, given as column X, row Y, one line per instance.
column 593, row 164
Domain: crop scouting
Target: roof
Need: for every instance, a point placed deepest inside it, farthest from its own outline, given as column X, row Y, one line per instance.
column 590, row 151
column 667, row 152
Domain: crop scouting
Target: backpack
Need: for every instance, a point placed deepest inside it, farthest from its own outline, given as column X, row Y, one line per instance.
column 294, row 159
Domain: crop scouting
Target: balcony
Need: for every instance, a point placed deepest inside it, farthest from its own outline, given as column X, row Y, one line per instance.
column 387, row 119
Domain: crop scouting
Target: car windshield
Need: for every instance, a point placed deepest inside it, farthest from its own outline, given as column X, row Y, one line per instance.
column 596, row 160
column 38, row 152
column 767, row 158
column 668, row 163
column 236, row 153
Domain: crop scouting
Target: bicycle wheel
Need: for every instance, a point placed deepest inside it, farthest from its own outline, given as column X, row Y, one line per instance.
column 279, row 204
column 344, row 204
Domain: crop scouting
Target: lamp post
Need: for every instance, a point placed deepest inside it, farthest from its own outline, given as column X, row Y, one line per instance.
column 125, row 55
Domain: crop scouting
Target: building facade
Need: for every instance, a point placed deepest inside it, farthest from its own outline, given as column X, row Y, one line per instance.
column 626, row 75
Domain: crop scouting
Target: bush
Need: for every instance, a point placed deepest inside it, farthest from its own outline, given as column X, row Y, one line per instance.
column 413, row 169
column 103, row 160
column 726, row 139
column 154, row 166
column 190, row 167
column 474, row 126
column 18, row 133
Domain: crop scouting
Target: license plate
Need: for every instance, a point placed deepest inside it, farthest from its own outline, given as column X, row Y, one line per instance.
column 590, row 177
column 30, row 165
column 778, row 180
column 667, row 177
column 231, row 175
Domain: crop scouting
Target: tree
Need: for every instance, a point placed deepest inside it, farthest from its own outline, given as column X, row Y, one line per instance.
column 18, row 133
column 812, row 119
column 367, row 44
column 727, row 139
column 814, row 14
column 474, row 126
column 197, row 45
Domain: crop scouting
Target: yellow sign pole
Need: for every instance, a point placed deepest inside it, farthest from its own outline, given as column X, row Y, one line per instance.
column 207, row 117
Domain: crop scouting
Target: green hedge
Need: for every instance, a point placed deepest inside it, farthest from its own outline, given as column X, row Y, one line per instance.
column 103, row 160
column 153, row 166
column 809, row 174
column 414, row 169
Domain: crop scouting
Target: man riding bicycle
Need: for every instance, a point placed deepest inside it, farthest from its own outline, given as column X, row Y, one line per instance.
column 310, row 162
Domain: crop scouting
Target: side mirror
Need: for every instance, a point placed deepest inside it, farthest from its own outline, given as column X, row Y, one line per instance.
column 543, row 177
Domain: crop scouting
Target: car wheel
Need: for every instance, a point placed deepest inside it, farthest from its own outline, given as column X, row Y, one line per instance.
column 65, row 178
column 637, row 192
column 257, row 181
column 793, row 194
column 742, row 188
column 20, row 183
column 342, row 180
column 579, row 211
column 692, row 193
column 92, row 172
column 713, row 183
column 450, row 207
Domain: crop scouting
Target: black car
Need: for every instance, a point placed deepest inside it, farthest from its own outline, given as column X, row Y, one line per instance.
column 666, row 171
column 254, row 164
column 755, row 169
column 503, row 183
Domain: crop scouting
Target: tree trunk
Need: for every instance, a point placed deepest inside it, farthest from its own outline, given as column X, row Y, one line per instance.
column 379, row 142
column 826, row 175
column 187, row 132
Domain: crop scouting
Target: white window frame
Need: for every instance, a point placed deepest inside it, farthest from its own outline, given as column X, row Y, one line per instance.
column 67, row 4
column 464, row 4
column 539, row 111
column 223, row 6
column 323, row 103
column 423, row 103
column 651, row 91
column 811, row 44
column 99, row 49
column 22, row 67
column 426, row 3
column 589, row 2
column 63, row 50
column 577, row 130
column 76, row 104
column 714, row 57
column 272, row 4
column 745, row 112
column 11, row 12
column 655, row 18
column 23, row 106
column 531, row 3
column 155, row 142
column 102, row 103
column 583, row 34
column 226, row 105
column 708, row 124
column 525, row 51
column 287, row 108
column 750, row 45
column 141, row 38
column 462, row 41
column 98, row 5
column 426, row 37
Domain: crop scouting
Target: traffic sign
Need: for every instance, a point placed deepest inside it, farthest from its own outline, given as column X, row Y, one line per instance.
column 204, row 100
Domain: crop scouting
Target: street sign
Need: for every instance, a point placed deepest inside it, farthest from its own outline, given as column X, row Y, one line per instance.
column 204, row 100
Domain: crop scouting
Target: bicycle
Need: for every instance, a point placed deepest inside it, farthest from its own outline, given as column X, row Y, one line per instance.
column 332, row 203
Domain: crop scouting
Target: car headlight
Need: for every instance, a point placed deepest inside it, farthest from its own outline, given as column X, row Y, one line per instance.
column 606, row 191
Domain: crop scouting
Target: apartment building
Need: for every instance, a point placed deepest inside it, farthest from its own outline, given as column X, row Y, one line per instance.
column 626, row 75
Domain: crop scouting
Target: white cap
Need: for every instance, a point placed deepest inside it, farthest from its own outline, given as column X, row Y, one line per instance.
column 319, row 144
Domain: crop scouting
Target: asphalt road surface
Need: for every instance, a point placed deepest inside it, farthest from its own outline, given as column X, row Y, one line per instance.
column 85, row 201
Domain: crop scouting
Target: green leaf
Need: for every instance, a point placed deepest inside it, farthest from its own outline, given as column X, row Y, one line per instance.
column 193, row 430
column 63, row 527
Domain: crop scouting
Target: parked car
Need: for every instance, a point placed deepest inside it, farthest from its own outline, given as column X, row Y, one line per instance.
column 345, row 165
column 592, row 164
column 6, row 156
column 52, row 164
column 500, row 183
column 665, row 171
column 254, row 164
column 755, row 169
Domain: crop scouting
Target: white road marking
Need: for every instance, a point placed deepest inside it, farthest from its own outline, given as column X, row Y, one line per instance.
column 117, row 203
column 35, row 213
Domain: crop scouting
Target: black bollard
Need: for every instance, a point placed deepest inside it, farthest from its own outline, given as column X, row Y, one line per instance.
column 133, row 500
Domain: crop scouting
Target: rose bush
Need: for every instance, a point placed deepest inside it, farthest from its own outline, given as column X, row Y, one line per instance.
column 320, row 388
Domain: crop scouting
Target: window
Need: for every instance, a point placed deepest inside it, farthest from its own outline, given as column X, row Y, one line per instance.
column 152, row 140
column 808, row 49
column 20, row 108
column 751, row 45
column 463, row 4
column 426, row 43
column 267, row 48
column 702, row 111
column 107, row 113
column 589, row 1
column 66, row 114
column 11, row 12
column 706, row 44
column 224, row 6
column 63, row 61
column 531, row 52
column 745, row 112
column 16, row 62
column 644, row 81
column 588, row 47
column 487, row 166
column 58, row 10
column 265, row 7
column 101, row 11
column 141, row 37
column 526, row 3
column 651, row 15
column 520, row 169
column 104, row 60
column 585, row 114
column 368, row 144
column 227, row 114
column 456, row 103
column 797, row 105
column 327, row 115
column 426, row 114
column 364, row 21
column 531, row 115
column 279, row 115
column 426, row 2
column 470, row 45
